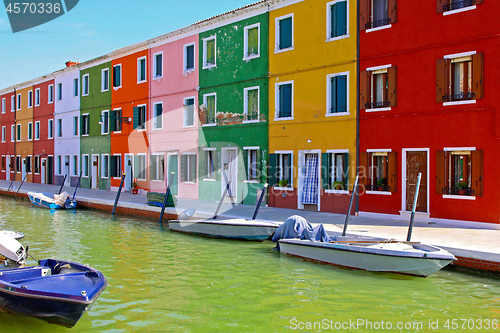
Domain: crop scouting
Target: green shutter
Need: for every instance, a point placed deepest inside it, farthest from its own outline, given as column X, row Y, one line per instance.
column 290, row 169
column 271, row 173
column 260, row 170
column 345, row 177
column 326, row 162
column 113, row 170
column 333, row 92
column 193, row 167
column 210, row 51
column 112, row 121
column 152, row 167
column 285, row 107
column 339, row 19
column 137, row 172
column 203, row 170
column 245, row 162
column 136, row 117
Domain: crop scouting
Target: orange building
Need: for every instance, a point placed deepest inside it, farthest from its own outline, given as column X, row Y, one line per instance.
column 24, row 133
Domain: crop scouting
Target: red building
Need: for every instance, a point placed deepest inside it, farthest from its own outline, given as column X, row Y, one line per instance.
column 7, row 144
column 428, row 87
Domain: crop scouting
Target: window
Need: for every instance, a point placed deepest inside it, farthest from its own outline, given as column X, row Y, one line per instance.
column 18, row 102
column 140, row 166
column 51, row 94
column 378, row 88
column 141, row 70
column 59, row 165
column 115, row 166
column 75, row 165
column 3, row 163
column 117, row 76
column 18, row 163
column 30, row 131
column 188, row 168
column 337, row 97
column 85, row 124
column 211, row 163
column 335, row 170
column 3, row 105
column 105, row 79
column 157, row 167
column 188, row 112
column 105, row 166
column 105, row 122
column 189, row 57
column 459, row 171
column 28, row 164
column 210, row 106
column 284, row 100
column 12, row 133
column 158, row 65
column 158, row 115
column 459, row 78
column 12, row 103
column 36, row 165
column 37, row 97
column 252, row 159
column 59, row 91
column 337, row 19
column 30, row 99
column 115, row 120
column 283, row 174
column 85, row 83
column 18, row 134
column 378, row 170
column 377, row 13
column 284, row 33
column 251, row 104
column 50, row 129
column 209, row 52
column 59, row 128
column 4, row 133
column 75, row 87
column 140, row 117
column 448, row 6
column 251, row 42
column 85, row 165
column 37, row 130
column 75, row 125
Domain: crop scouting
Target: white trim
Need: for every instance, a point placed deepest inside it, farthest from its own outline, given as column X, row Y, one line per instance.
column 329, row 95
column 251, row 148
column 88, row 124
column 215, row 111
column 277, row 33
column 155, row 77
column 39, row 97
column 376, row 68
column 4, row 105
column 30, row 132
column 102, row 79
column 470, row 101
column 379, row 192
column 289, row 188
column 4, row 133
column 247, row 57
column 83, row 84
column 88, row 166
column 276, row 101
column 460, row 149
column 139, row 69
column 154, row 118
column 37, row 137
column 379, row 150
column 19, row 101
column 462, row 197
column 184, row 58
column 50, row 99
column 460, row 10
column 30, row 99
column 103, row 123
column 205, row 40
column 378, row 109
column 329, row 21
column 387, row 26
column 136, row 174
column 403, row 177
column 184, row 112
column 245, row 103
column 49, row 122
column 102, row 166
column 459, row 55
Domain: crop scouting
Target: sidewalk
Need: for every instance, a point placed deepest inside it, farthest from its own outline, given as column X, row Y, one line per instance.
column 476, row 245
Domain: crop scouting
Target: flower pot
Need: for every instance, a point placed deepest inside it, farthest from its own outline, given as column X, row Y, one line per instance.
column 135, row 190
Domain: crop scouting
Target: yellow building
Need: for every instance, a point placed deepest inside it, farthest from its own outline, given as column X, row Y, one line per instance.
column 312, row 90
column 24, row 133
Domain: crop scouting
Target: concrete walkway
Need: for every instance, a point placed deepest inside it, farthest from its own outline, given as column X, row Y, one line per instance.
column 470, row 241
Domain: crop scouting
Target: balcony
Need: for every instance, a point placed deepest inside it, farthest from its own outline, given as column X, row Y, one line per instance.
column 378, row 23
column 459, row 97
column 458, row 5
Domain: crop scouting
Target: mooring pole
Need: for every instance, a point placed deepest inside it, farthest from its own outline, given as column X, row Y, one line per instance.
column 350, row 205
column 118, row 194
column 260, row 201
column 167, row 194
column 221, row 200
column 26, row 175
column 77, row 184
column 410, row 228
column 62, row 185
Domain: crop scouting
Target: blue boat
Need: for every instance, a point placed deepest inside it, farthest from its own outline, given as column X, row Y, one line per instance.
column 52, row 201
column 56, row 291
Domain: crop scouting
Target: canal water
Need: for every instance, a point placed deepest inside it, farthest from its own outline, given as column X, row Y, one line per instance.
column 161, row 281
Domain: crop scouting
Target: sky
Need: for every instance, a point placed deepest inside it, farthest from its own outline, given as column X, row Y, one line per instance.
column 94, row 28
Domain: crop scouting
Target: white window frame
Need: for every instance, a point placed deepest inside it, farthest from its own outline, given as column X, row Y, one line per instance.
column 184, row 125
column 329, row 21
column 12, row 133
column 155, row 76
column 245, row 103
column 188, row 167
column 215, row 111
column 277, row 101
column 30, row 131
column 59, row 128
column 37, row 97
column 19, row 133
column 205, row 40
column 103, row 169
column 184, row 64
column 455, row 56
column 76, row 87
column 277, row 33
column 372, row 90
column 82, row 166
column 37, row 130
column 155, row 123
column 12, row 103
column 37, row 157
column 207, row 160
column 4, row 133
column 118, row 120
column 247, row 151
column 4, row 105
column 119, row 170
column 86, row 84
column 380, row 151
column 103, row 82
column 338, row 151
column 73, row 164
column 246, row 56
column 121, row 77
column 282, row 152
column 30, row 99
column 50, row 129
column 329, row 96
column 136, row 172
column 88, row 125
column 19, row 100
column 104, row 131
column 139, row 60
column 157, row 177
column 145, row 117
column 386, row 26
column 59, row 166
column 59, row 91
column 50, row 92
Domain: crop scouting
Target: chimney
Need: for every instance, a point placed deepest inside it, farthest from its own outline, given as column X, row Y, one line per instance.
column 70, row 63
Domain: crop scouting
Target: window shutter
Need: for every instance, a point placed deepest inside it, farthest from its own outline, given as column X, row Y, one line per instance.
column 364, row 89
column 340, row 11
column 260, row 170
column 112, row 121
column 203, row 163
column 290, row 169
column 152, row 167
column 392, row 172
column 325, row 170
column 190, row 57
column 113, row 166
column 345, row 176
column 285, row 27
column 440, row 172
column 364, row 14
column 441, row 70
column 477, row 172
column 392, row 74
column 271, row 171
column 285, row 101
column 82, row 128
column 393, row 11
column 363, row 171
column 477, row 75
column 136, row 117
column 245, row 162
column 183, row 168
column 341, row 99
column 194, row 167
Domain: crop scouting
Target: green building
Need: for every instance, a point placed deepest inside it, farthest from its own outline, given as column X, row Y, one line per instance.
column 233, row 99
column 95, row 104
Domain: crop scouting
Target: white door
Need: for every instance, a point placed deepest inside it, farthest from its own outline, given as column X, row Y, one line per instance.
column 43, row 170
column 66, row 169
column 7, row 168
column 129, row 178
column 23, row 171
column 95, row 171
column 229, row 171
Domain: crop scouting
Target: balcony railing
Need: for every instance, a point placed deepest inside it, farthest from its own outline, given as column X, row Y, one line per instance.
column 458, row 5
column 377, row 188
column 378, row 23
column 455, row 191
column 459, row 97
column 375, row 105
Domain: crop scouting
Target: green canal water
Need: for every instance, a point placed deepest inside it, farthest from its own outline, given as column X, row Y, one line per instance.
column 160, row 281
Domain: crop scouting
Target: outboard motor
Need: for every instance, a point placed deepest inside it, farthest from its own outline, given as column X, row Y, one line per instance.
column 12, row 250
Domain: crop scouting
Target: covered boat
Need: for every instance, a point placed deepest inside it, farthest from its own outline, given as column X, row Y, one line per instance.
column 52, row 201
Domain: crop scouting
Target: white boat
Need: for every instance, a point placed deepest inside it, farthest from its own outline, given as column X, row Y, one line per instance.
column 13, row 234
column 390, row 256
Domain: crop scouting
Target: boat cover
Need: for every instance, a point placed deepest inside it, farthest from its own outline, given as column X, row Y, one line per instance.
column 298, row 227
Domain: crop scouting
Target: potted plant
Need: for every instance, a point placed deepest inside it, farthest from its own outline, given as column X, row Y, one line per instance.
column 135, row 190
column 381, row 183
column 283, row 183
column 461, row 187
column 338, row 185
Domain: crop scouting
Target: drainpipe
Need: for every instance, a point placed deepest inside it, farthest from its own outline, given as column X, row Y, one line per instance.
column 15, row 133
column 356, row 209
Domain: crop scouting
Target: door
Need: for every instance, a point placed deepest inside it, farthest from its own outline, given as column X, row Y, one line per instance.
column 416, row 162
column 23, row 168
column 173, row 166
column 43, row 170
column 66, row 169
column 311, row 181
column 95, row 171
column 50, row 170
column 129, row 178
column 229, row 172
column 7, row 167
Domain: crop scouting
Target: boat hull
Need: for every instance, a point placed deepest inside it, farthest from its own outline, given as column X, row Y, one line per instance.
column 419, row 263
column 234, row 229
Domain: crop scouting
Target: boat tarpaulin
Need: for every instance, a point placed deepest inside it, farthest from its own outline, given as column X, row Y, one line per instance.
column 298, row 227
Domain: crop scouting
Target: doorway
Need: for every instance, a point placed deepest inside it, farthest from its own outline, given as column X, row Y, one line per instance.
column 66, row 169
column 308, row 180
column 230, row 172
column 23, row 170
column 43, row 170
column 95, row 171
column 416, row 162
column 173, row 166
column 129, row 178
column 50, row 170
column 7, row 167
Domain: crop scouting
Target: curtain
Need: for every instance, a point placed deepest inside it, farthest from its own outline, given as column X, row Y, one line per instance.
column 310, row 188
